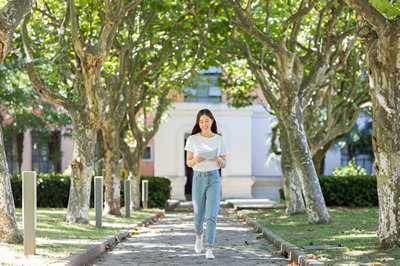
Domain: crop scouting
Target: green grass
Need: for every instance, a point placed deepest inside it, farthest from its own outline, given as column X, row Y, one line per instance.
column 355, row 228
column 56, row 239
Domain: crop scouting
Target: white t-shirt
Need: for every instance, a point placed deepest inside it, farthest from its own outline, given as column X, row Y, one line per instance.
column 207, row 148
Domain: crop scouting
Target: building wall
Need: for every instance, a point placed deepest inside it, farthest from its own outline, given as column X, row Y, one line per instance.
column 147, row 166
column 245, row 131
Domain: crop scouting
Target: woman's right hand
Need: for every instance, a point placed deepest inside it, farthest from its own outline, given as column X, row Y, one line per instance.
column 190, row 161
column 198, row 159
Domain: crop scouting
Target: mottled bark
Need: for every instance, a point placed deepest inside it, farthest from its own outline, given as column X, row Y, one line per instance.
column 315, row 202
column 134, row 176
column 113, row 169
column 84, row 135
column 132, row 164
column 384, row 64
column 294, row 201
column 10, row 17
column 381, row 36
column 8, row 226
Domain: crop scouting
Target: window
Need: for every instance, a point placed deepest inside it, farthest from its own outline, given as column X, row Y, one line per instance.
column 12, row 157
column 147, row 155
column 205, row 89
column 41, row 158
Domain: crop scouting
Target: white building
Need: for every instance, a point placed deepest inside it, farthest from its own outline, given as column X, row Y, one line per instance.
column 246, row 131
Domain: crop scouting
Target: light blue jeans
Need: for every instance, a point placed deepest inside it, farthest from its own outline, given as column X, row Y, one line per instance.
column 206, row 190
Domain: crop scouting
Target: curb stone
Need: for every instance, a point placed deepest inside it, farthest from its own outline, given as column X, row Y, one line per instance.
column 88, row 253
column 293, row 252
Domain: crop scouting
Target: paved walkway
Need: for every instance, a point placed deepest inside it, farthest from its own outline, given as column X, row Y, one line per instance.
column 170, row 241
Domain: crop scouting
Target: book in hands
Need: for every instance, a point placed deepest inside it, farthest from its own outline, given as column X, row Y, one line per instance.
column 208, row 154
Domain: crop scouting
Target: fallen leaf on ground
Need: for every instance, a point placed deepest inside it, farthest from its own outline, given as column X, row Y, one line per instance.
column 311, row 256
column 179, row 221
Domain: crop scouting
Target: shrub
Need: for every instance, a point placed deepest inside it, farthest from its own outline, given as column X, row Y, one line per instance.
column 349, row 191
column 159, row 191
column 351, row 169
column 53, row 190
column 353, row 191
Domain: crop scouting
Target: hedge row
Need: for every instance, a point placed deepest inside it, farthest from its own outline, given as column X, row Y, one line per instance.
column 53, row 190
column 353, row 191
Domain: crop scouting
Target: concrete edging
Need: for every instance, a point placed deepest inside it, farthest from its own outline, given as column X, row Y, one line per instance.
column 88, row 253
column 293, row 252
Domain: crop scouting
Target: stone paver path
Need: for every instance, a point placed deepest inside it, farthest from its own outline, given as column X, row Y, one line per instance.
column 170, row 241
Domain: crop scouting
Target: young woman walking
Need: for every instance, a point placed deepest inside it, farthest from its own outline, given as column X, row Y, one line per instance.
column 206, row 154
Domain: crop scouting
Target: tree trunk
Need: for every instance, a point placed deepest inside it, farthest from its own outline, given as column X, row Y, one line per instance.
column 319, row 158
column 113, row 170
column 20, row 150
column 84, row 135
column 291, row 185
column 384, row 68
column 8, row 225
column 350, row 151
column 315, row 203
column 133, row 166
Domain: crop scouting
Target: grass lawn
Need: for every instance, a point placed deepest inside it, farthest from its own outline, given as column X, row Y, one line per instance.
column 56, row 239
column 354, row 228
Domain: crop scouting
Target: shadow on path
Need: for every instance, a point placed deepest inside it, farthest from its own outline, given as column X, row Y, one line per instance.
column 170, row 241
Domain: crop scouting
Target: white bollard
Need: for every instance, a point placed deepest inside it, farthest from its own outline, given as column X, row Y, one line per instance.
column 127, row 197
column 98, row 200
column 145, row 193
column 29, row 211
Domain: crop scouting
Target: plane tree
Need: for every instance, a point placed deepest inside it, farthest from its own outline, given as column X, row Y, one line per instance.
column 290, row 48
column 66, row 47
column 11, row 14
column 379, row 33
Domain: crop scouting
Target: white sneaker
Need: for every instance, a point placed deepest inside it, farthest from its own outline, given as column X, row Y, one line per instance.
column 198, row 246
column 209, row 254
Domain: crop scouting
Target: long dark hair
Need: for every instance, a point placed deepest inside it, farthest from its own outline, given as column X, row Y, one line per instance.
column 196, row 129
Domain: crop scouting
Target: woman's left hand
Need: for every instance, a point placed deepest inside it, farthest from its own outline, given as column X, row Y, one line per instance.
column 221, row 160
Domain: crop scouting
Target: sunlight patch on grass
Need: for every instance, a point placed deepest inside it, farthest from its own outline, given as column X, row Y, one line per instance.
column 56, row 239
column 354, row 228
